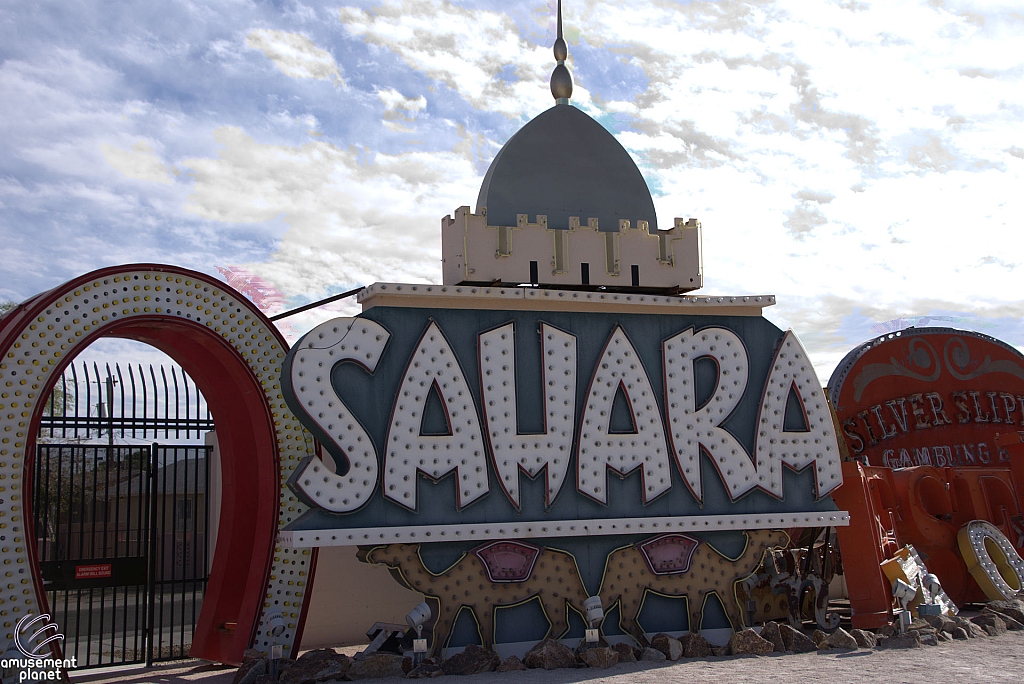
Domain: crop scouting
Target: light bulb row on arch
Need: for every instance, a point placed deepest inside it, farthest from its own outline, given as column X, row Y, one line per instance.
column 71, row 318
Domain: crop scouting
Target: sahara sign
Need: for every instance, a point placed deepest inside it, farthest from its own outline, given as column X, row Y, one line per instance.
column 556, row 422
column 933, row 396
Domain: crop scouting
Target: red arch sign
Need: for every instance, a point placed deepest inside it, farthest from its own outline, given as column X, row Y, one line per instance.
column 234, row 354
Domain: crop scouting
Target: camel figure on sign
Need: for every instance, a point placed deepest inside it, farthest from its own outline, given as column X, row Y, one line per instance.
column 502, row 573
column 678, row 565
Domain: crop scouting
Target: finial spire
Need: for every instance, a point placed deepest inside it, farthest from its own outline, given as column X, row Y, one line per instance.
column 561, row 79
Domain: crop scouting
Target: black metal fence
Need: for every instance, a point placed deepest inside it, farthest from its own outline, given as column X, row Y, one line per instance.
column 158, row 402
column 123, row 530
column 178, row 547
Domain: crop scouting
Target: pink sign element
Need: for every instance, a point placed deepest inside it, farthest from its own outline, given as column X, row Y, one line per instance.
column 508, row 561
column 669, row 554
column 263, row 294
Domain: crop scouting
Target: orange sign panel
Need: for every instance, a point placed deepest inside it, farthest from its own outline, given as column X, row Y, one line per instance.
column 931, row 397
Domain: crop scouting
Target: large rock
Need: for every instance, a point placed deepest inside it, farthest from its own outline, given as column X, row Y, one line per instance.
column 473, row 660
column 908, row 640
column 959, row 633
column 795, row 640
column 652, row 655
column 928, row 639
column 887, row 630
column 511, row 664
column 838, row 639
column 375, row 665
column 943, row 623
column 550, row 655
column 992, row 623
column 600, row 657
column 864, row 638
column 771, row 632
column 249, row 670
column 627, row 654
column 670, row 646
column 918, row 623
column 695, row 646
column 748, row 642
column 973, row 630
column 428, row 669
column 1014, row 608
column 1008, row 620
column 252, row 654
column 316, row 666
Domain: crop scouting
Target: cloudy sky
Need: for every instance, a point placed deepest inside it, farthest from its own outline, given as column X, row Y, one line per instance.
column 861, row 160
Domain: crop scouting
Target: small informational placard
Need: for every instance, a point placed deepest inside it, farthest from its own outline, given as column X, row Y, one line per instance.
column 419, row 645
column 94, row 571
column 591, row 637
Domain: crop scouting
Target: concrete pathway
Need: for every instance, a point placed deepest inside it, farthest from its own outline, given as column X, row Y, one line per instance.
column 985, row 660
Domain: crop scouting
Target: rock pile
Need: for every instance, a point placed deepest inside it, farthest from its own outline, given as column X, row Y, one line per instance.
column 550, row 655
column 749, row 642
column 473, row 660
column 325, row 665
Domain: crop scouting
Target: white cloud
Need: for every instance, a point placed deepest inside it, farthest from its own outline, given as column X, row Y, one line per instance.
column 353, row 217
column 140, row 162
column 464, row 49
column 398, row 109
column 861, row 159
column 295, row 54
column 762, row 119
column 394, row 100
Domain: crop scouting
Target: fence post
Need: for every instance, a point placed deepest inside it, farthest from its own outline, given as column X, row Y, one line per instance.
column 151, row 565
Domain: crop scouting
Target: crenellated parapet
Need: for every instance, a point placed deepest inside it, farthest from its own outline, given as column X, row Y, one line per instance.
column 627, row 256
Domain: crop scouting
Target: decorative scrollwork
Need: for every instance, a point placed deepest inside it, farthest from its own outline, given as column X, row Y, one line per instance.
column 922, row 355
column 958, row 359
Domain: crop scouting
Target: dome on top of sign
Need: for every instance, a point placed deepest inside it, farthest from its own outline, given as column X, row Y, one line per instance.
column 563, row 163
column 563, row 206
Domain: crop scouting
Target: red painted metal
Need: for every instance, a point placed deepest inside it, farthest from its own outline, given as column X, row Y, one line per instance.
column 933, row 414
column 930, row 397
column 868, row 493
column 249, row 504
column 250, row 459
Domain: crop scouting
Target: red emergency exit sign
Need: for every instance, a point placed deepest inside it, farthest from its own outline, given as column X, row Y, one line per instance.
column 96, row 571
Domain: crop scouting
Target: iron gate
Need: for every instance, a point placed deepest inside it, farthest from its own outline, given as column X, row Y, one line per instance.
column 122, row 530
column 122, row 542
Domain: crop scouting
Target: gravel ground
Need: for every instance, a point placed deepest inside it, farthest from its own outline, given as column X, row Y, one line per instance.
column 994, row 659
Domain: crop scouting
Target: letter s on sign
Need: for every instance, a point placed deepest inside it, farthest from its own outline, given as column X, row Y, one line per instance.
column 856, row 441
column 314, row 400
